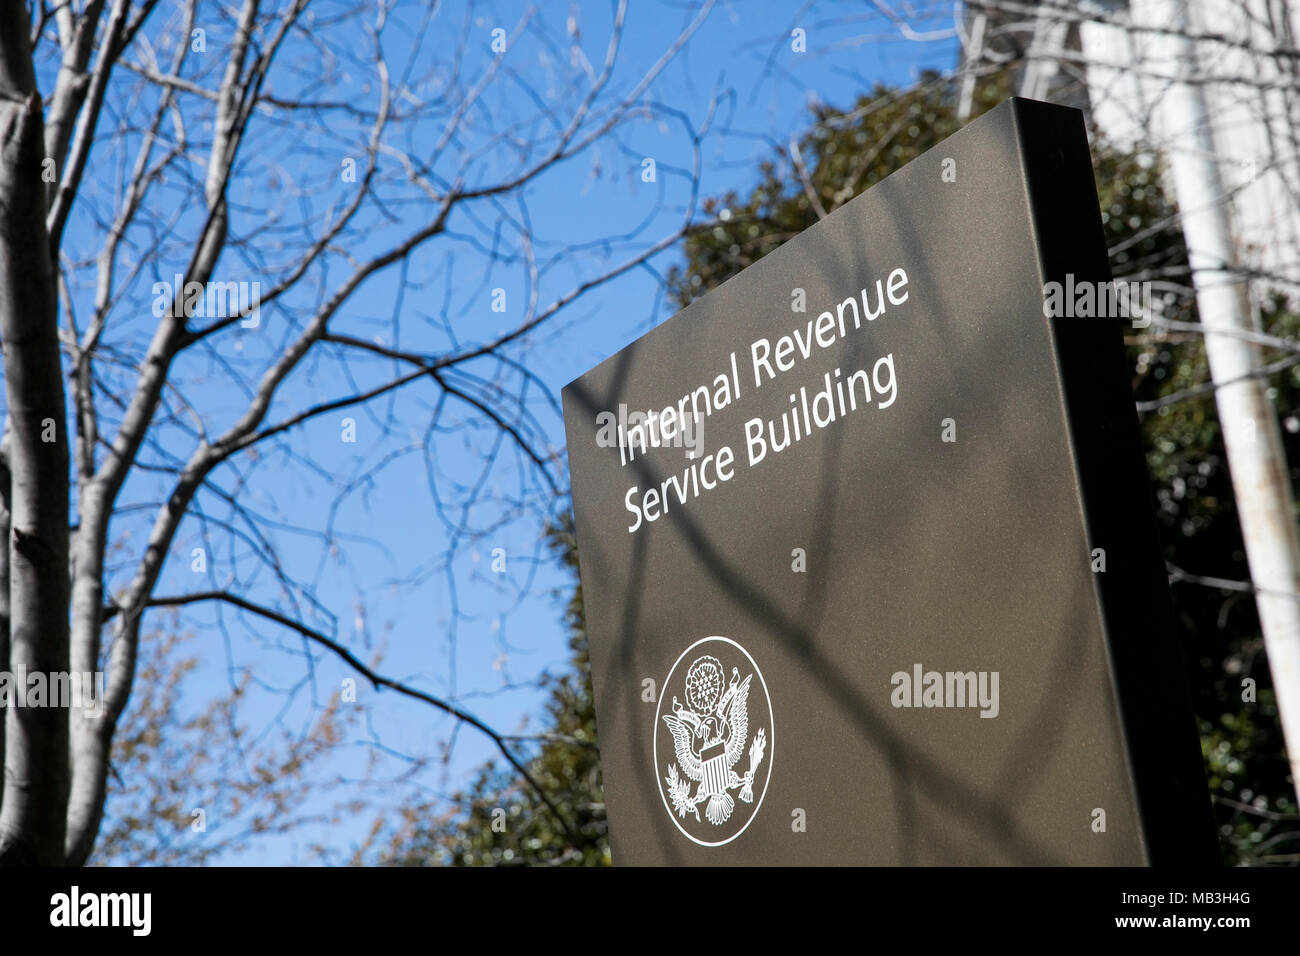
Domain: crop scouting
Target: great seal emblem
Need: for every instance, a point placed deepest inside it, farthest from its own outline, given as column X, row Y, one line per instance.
column 713, row 711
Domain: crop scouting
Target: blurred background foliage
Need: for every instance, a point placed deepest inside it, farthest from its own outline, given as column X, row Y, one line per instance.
column 842, row 154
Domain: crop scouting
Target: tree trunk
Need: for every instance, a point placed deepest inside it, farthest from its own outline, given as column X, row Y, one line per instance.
column 1256, row 458
column 36, row 755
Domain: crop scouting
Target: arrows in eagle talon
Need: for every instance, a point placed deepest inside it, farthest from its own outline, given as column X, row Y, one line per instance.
column 755, row 758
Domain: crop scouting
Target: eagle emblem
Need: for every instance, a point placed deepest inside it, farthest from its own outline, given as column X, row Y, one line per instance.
column 710, row 733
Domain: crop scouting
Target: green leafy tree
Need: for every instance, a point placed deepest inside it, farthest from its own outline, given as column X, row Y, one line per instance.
column 843, row 154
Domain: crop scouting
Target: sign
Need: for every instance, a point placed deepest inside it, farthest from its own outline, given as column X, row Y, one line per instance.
column 866, row 544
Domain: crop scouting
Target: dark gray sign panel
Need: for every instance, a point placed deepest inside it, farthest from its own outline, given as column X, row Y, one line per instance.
column 867, row 554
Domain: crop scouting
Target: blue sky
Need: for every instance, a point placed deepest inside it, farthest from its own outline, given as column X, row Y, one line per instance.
column 382, row 584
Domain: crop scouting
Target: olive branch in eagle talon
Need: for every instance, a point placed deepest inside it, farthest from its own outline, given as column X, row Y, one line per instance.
column 680, row 792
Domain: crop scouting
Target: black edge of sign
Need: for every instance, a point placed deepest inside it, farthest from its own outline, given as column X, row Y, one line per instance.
column 1133, row 592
